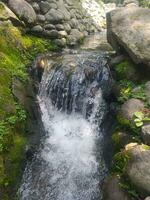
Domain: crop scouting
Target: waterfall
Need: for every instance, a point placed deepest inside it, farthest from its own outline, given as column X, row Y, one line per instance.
column 70, row 164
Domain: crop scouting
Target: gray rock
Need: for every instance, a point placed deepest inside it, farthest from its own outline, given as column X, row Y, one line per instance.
column 61, row 42
column 75, row 37
column 23, row 10
column 121, row 139
column 147, row 91
column 138, row 169
column 131, row 33
column 113, row 190
column 74, row 23
column 52, row 34
column 41, row 18
column 62, row 34
column 54, row 16
column 67, row 28
column 49, row 27
column 44, row 6
column 145, row 134
column 130, row 107
column 61, row 8
column 53, row 5
column 59, row 27
column 37, row 29
column 36, row 6
column 116, row 60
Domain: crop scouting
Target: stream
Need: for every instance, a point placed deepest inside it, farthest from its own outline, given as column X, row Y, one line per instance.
column 74, row 98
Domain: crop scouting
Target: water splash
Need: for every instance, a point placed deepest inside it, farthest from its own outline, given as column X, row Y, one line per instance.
column 69, row 164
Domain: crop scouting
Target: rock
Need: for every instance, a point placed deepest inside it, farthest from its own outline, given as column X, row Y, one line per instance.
column 113, row 190
column 59, row 27
column 147, row 198
column 7, row 14
column 67, row 28
column 138, row 169
column 75, row 37
column 45, row 7
column 61, row 42
column 37, row 29
column 54, row 16
column 145, row 134
column 62, row 34
column 147, row 91
column 62, row 8
column 130, row 146
column 23, row 93
column 53, row 5
column 23, row 10
column 116, row 60
column 52, row 34
column 126, row 33
column 41, row 18
column 49, row 27
column 130, row 107
column 36, row 6
column 73, row 23
column 127, row 2
column 121, row 139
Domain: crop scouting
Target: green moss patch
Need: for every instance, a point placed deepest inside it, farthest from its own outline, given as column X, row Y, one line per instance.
column 16, row 53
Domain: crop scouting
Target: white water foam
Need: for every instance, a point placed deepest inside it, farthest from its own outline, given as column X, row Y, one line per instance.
column 70, row 150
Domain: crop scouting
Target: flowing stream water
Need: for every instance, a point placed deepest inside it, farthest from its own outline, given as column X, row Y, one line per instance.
column 74, row 101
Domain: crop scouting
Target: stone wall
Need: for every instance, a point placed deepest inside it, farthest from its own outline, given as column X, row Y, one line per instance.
column 64, row 21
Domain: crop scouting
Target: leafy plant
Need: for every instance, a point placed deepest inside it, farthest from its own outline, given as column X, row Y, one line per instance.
column 120, row 161
column 140, row 119
column 129, row 188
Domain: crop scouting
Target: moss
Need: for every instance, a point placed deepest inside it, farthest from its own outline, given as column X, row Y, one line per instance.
column 127, row 70
column 145, row 147
column 123, row 121
column 16, row 53
column 116, row 141
column 15, row 157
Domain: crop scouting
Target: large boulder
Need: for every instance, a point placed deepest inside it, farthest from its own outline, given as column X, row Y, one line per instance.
column 138, row 169
column 129, row 29
column 23, row 10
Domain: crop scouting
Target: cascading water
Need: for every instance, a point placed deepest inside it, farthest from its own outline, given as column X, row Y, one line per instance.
column 70, row 163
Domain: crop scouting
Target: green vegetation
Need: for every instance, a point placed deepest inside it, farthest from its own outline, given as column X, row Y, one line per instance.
column 16, row 53
column 144, row 3
column 130, row 87
column 140, row 119
column 120, row 161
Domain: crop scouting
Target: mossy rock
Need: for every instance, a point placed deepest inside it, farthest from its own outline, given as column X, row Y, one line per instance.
column 120, row 139
column 126, row 70
column 16, row 53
